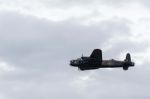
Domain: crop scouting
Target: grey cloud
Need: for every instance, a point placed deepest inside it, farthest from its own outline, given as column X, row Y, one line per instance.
column 66, row 3
column 26, row 39
column 145, row 3
column 93, row 4
column 126, row 46
column 41, row 49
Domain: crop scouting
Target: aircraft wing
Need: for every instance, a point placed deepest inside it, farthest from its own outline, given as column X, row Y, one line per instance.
column 97, row 53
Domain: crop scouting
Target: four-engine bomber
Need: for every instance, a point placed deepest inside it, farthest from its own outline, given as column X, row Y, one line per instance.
column 94, row 61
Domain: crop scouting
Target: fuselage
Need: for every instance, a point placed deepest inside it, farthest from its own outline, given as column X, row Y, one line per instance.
column 112, row 63
column 86, row 63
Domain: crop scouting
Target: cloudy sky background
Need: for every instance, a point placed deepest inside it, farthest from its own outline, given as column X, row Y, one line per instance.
column 39, row 37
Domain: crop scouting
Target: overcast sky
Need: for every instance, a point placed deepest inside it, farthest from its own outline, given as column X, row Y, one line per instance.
column 38, row 38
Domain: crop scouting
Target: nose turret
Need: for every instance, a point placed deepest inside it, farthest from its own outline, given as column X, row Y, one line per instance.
column 73, row 63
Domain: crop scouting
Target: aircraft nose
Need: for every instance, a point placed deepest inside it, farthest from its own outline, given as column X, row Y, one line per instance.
column 72, row 62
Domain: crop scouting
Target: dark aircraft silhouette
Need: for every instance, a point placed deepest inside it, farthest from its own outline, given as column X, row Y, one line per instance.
column 95, row 61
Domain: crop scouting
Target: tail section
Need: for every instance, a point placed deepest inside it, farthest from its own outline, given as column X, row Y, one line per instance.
column 128, row 62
